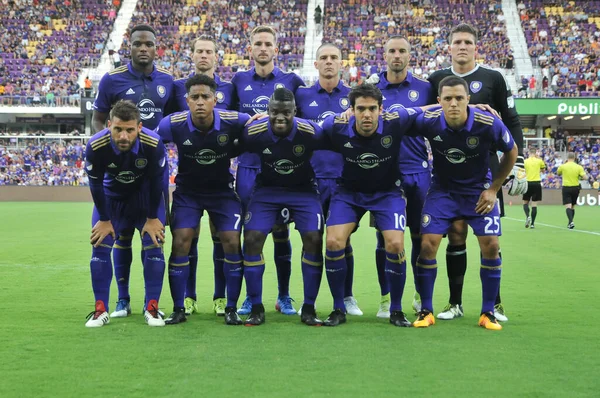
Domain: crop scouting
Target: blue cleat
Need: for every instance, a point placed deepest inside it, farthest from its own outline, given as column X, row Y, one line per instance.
column 246, row 307
column 123, row 309
column 284, row 305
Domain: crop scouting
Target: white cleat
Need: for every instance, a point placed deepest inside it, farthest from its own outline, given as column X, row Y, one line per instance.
column 99, row 317
column 384, row 307
column 153, row 319
column 416, row 304
column 451, row 312
column 499, row 313
column 123, row 309
column 527, row 222
column 352, row 306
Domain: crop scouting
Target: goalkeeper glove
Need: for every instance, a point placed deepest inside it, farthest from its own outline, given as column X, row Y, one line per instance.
column 517, row 179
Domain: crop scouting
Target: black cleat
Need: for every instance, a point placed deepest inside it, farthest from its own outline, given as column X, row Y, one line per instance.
column 232, row 317
column 309, row 316
column 337, row 317
column 397, row 318
column 178, row 316
column 257, row 315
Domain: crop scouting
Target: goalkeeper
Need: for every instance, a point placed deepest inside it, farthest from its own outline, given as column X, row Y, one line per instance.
column 486, row 86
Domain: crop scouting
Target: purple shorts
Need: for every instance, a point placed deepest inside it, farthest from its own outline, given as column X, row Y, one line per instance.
column 223, row 207
column 244, row 183
column 441, row 208
column 271, row 205
column 327, row 188
column 415, row 188
column 128, row 215
column 388, row 208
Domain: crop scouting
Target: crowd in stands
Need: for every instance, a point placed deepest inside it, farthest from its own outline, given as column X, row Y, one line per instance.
column 563, row 39
column 228, row 21
column 46, row 43
column 361, row 28
column 53, row 163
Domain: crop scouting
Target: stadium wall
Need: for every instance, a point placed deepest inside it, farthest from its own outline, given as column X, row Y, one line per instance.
column 10, row 193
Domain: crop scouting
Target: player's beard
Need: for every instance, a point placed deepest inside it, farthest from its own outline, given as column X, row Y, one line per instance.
column 264, row 61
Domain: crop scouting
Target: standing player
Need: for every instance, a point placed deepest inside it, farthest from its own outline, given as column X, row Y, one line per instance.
column 571, row 173
column 462, row 189
column 253, row 89
column 487, row 86
column 205, row 57
column 150, row 87
column 204, row 137
column 533, row 166
column 400, row 88
column 328, row 96
column 369, row 143
column 286, row 187
column 125, row 164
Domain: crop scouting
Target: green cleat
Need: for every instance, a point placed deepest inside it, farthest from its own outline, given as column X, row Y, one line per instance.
column 219, row 306
column 190, row 306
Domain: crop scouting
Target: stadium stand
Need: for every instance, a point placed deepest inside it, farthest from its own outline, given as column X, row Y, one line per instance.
column 44, row 46
column 361, row 29
column 179, row 22
column 563, row 41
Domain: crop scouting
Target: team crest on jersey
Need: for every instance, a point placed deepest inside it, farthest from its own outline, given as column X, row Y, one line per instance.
column 413, row 95
column 141, row 163
column 161, row 90
column 222, row 139
column 472, row 142
column 426, row 219
column 248, row 217
column 220, row 97
column 298, row 150
column 344, row 103
column 279, row 85
column 475, row 86
column 506, row 136
column 386, row 141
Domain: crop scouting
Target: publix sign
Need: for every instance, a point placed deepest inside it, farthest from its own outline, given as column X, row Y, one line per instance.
column 589, row 200
column 558, row 106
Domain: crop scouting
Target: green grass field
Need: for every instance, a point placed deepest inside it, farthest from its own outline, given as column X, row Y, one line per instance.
column 549, row 347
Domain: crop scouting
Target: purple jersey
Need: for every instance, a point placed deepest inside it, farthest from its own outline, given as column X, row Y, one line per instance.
column 413, row 91
column 461, row 159
column 315, row 104
column 119, row 175
column 285, row 161
column 203, row 156
column 151, row 93
column 370, row 163
column 253, row 93
column 225, row 93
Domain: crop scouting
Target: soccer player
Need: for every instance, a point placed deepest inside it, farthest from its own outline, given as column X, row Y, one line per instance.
column 462, row 189
column 285, row 187
column 125, row 164
column 571, row 173
column 150, row 87
column 205, row 57
column 328, row 96
column 400, row 88
column 205, row 143
column 253, row 89
column 487, row 86
column 369, row 143
column 533, row 166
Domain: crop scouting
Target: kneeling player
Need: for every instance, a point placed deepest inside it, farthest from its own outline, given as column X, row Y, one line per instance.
column 125, row 164
column 461, row 138
column 284, row 186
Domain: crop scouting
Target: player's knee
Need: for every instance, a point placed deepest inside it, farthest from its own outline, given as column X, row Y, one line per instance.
column 457, row 238
column 490, row 248
column 182, row 241
column 280, row 229
column 428, row 249
column 230, row 241
column 312, row 242
column 394, row 246
column 253, row 242
column 335, row 243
